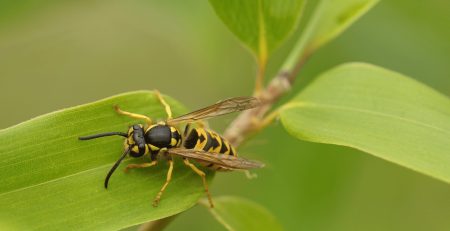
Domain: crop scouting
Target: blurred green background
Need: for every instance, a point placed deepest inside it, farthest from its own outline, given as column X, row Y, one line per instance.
column 57, row 54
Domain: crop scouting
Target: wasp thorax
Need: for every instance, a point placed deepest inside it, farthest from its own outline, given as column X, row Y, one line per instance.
column 161, row 136
column 136, row 141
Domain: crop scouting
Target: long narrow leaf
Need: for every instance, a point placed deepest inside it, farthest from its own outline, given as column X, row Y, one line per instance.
column 236, row 214
column 377, row 111
column 50, row 180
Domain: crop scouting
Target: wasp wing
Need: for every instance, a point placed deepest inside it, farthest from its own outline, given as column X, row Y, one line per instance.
column 223, row 160
column 220, row 108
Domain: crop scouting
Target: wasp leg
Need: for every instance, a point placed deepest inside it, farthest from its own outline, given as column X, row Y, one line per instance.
column 144, row 165
column 133, row 115
column 169, row 177
column 203, row 176
column 165, row 104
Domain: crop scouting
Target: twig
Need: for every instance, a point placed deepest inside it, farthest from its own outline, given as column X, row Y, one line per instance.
column 250, row 121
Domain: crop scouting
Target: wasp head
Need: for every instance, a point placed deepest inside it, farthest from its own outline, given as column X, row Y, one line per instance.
column 136, row 141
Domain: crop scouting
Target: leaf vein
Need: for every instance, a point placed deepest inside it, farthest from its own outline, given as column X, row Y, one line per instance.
column 318, row 105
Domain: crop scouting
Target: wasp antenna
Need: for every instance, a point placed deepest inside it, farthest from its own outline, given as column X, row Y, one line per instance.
column 103, row 135
column 111, row 171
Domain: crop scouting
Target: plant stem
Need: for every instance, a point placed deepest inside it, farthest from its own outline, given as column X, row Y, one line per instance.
column 259, row 83
column 245, row 124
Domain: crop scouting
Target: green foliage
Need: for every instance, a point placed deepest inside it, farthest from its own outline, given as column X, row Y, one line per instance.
column 333, row 17
column 51, row 180
column 236, row 213
column 377, row 111
column 329, row 20
column 260, row 24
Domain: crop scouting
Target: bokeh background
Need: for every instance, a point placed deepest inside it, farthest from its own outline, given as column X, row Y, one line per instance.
column 58, row 54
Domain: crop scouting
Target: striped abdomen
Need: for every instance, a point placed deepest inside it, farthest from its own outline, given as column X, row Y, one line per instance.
column 208, row 141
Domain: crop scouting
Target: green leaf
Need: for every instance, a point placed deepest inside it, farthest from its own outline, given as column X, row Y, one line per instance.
column 51, row 180
column 236, row 213
column 260, row 24
column 329, row 20
column 377, row 111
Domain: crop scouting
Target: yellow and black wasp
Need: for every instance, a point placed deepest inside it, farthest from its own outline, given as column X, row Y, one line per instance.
column 200, row 144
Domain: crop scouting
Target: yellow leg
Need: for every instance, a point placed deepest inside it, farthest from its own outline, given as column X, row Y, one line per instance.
column 164, row 103
column 203, row 175
column 144, row 165
column 133, row 115
column 169, row 177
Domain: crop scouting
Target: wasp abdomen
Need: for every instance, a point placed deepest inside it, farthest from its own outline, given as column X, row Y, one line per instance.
column 208, row 141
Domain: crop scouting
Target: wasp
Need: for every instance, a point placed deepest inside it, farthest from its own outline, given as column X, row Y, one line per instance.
column 200, row 144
